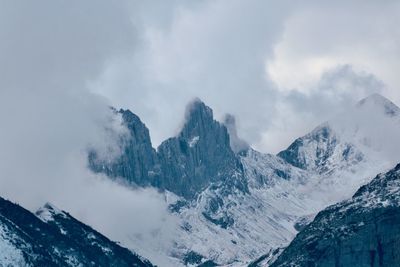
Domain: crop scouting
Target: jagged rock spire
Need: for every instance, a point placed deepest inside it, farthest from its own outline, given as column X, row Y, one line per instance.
column 199, row 155
column 238, row 145
column 185, row 164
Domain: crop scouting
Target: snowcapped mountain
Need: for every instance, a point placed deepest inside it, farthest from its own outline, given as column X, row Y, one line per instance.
column 346, row 140
column 53, row 238
column 234, row 204
column 361, row 231
column 361, row 140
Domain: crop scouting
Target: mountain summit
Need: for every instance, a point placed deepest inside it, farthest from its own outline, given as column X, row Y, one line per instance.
column 244, row 201
column 348, row 138
column 185, row 164
column 198, row 117
column 199, row 155
column 378, row 100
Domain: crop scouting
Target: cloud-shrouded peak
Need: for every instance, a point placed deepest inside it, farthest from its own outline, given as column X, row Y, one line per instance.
column 379, row 101
column 237, row 144
column 198, row 110
column 199, row 120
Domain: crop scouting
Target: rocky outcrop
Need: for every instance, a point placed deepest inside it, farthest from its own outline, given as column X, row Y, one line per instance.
column 54, row 238
column 237, row 144
column 363, row 231
column 138, row 163
column 200, row 155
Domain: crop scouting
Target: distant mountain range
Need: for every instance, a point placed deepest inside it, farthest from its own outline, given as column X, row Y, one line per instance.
column 235, row 206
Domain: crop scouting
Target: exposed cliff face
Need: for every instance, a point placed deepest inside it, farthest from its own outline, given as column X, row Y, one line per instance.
column 138, row 161
column 185, row 165
column 363, row 231
column 199, row 155
column 238, row 145
column 54, row 238
column 249, row 203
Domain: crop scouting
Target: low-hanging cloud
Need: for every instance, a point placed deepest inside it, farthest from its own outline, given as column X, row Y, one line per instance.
column 49, row 51
column 58, row 57
column 214, row 50
column 338, row 89
column 244, row 58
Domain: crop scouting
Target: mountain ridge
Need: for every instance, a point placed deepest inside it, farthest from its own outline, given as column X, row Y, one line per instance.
column 54, row 238
column 184, row 164
column 361, row 231
column 266, row 193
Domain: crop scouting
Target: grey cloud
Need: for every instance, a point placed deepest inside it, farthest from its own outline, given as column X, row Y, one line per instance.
column 214, row 50
column 237, row 144
column 49, row 118
column 219, row 51
column 59, row 43
column 299, row 112
column 338, row 89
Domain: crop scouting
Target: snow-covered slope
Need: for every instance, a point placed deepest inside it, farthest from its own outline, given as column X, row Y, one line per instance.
column 361, row 231
column 249, row 203
column 238, row 227
column 54, row 238
column 347, row 151
column 326, row 166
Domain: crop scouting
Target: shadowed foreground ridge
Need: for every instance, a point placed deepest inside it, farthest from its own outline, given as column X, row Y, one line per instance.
column 54, row 238
column 363, row 231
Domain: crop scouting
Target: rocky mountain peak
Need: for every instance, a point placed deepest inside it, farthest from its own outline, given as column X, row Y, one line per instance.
column 348, row 139
column 138, row 161
column 138, row 129
column 200, row 155
column 198, row 110
column 379, row 101
column 320, row 150
column 237, row 144
column 199, row 120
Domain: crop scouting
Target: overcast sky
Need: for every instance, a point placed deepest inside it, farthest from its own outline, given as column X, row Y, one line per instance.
column 281, row 67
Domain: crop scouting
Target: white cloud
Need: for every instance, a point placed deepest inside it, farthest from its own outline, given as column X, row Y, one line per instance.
column 321, row 36
column 214, row 50
column 243, row 58
column 338, row 89
column 49, row 119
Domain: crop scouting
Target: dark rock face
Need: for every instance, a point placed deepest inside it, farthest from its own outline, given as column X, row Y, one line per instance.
column 186, row 164
column 61, row 241
column 199, row 155
column 363, row 231
column 138, row 161
column 193, row 258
